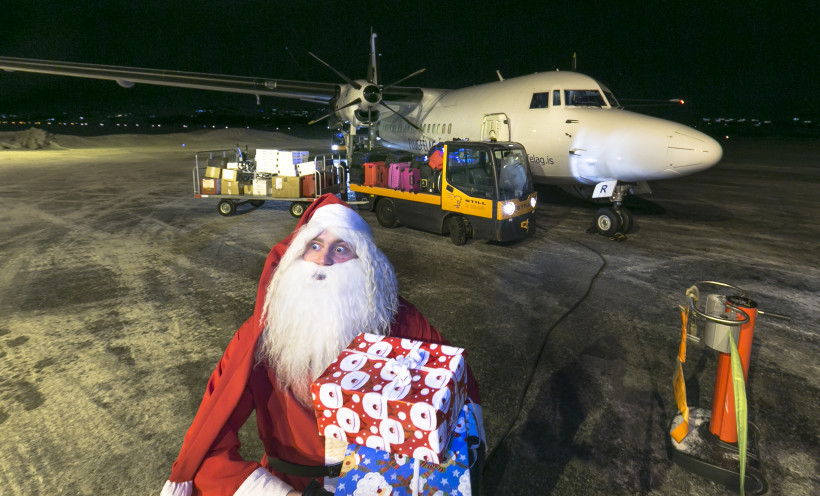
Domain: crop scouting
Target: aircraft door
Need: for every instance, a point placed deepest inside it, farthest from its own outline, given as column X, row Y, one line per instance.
column 495, row 127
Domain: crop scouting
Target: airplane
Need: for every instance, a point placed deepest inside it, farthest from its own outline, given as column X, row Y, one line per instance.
column 576, row 134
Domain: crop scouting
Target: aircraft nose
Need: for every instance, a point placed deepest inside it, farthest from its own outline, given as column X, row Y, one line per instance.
column 691, row 151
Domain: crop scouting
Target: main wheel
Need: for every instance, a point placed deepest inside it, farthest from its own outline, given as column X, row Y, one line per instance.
column 607, row 221
column 458, row 230
column 226, row 207
column 297, row 209
column 626, row 219
column 257, row 203
column 386, row 213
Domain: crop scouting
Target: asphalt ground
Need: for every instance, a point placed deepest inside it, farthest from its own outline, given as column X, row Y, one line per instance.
column 119, row 291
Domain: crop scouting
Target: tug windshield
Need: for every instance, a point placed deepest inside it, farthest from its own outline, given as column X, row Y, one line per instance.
column 514, row 179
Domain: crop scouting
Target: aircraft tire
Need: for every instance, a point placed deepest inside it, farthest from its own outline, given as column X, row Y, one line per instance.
column 386, row 213
column 607, row 221
column 226, row 207
column 458, row 230
column 626, row 219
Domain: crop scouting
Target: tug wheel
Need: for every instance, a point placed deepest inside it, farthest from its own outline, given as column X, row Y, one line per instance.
column 386, row 213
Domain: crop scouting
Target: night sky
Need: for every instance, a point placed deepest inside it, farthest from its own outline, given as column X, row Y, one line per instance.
column 752, row 59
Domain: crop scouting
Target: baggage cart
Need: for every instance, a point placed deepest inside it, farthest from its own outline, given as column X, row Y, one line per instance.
column 233, row 179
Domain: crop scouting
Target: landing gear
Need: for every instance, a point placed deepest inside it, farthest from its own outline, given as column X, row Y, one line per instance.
column 611, row 220
column 617, row 219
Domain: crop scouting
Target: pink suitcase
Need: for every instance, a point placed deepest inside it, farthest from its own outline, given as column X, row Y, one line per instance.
column 410, row 180
column 394, row 175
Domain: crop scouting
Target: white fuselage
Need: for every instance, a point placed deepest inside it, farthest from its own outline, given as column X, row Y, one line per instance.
column 567, row 143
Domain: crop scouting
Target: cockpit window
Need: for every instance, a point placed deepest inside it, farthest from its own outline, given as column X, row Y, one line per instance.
column 583, row 98
column 611, row 99
column 540, row 100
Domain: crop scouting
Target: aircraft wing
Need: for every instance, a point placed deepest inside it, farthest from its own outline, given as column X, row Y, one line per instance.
column 128, row 76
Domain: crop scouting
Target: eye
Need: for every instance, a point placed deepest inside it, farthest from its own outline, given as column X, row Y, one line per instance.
column 340, row 249
column 315, row 246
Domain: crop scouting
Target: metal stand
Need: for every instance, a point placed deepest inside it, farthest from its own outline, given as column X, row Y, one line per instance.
column 704, row 454
column 710, row 447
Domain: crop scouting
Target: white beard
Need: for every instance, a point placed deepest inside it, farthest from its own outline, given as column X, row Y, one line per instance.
column 313, row 312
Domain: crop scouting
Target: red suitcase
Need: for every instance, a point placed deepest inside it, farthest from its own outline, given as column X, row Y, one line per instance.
column 308, row 186
column 381, row 175
column 371, row 173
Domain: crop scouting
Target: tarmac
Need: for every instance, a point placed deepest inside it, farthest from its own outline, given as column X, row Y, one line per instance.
column 119, row 291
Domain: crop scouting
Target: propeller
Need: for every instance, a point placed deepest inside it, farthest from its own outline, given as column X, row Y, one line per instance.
column 371, row 93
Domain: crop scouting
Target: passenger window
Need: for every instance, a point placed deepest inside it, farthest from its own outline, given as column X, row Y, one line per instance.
column 540, row 100
column 450, row 128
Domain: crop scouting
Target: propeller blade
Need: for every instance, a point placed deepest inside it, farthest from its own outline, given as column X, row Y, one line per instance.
column 405, row 78
column 346, row 79
column 405, row 119
column 354, row 102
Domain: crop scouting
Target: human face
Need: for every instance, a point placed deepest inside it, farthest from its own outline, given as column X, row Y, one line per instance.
column 327, row 249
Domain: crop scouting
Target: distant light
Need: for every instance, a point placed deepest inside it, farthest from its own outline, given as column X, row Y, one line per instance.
column 183, row 145
column 726, row 137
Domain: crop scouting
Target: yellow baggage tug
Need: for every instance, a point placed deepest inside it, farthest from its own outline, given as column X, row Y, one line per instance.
column 482, row 190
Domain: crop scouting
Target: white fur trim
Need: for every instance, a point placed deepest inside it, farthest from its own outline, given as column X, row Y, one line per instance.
column 336, row 215
column 177, row 488
column 263, row 483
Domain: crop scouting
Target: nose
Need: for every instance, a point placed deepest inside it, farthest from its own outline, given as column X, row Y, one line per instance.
column 322, row 256
column 691, row 151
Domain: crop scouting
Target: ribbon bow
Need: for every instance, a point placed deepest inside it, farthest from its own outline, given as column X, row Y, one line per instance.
column 401, row 365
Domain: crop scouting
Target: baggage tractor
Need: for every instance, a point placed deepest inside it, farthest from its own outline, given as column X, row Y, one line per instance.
column 394, row 174
column 409, row 180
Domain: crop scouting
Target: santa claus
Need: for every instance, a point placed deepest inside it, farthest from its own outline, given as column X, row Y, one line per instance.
column 320, row 287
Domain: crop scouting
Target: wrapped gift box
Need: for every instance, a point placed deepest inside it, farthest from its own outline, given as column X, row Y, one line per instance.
column 368, row 471
column 392, row 394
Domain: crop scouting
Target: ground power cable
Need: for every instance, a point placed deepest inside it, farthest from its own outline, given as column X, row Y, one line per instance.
column 528, row 382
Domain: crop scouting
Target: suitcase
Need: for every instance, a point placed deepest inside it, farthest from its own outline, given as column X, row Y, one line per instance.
column 426, row 183
column 394, row 176
column 409, row 180
column 436, row 160
column 371, row 173
column 356, row 175
column 308, row 186
column 381, row 174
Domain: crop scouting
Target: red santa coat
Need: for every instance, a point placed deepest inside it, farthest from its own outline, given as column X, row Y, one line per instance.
column 209, row 455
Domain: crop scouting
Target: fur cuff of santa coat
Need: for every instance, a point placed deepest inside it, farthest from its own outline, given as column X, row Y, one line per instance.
column 259, row 483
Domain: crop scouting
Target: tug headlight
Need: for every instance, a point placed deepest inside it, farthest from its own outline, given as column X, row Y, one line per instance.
column 508, row 208
column 533, row 201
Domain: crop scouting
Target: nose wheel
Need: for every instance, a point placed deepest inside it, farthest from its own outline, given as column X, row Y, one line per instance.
column 611, row 220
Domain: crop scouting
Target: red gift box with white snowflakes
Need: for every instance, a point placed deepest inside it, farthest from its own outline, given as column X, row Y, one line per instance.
column 392, row 394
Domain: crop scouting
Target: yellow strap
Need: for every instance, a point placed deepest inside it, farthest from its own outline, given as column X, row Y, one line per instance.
column 684, row 316
column 739, row 386
column 678, row 384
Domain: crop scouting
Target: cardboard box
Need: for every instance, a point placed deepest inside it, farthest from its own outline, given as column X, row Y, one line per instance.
column 247, row 188
column 229, row 187
column 285, row 187
column 209, row 186
column 261, row 187
column 397, row 393
column 213, row 172
column 229, row 174
column 305, row 168
column 371, row 470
